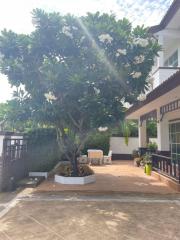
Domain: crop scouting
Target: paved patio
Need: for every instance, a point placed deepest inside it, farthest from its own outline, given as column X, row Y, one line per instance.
column 46, row 219
column 119, row 177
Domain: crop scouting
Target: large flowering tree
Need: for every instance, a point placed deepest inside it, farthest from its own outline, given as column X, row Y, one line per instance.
column 78, row 72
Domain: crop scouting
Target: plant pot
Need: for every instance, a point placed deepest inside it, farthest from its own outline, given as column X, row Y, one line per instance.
column 148, row 169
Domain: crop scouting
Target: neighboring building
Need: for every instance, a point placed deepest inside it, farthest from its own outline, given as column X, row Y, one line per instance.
column 162, row 103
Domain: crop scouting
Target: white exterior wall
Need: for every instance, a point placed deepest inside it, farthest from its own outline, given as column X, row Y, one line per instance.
column 118, row 146
column 172, row 47
column 170, row 43
column 161, row 75
column 163, row 130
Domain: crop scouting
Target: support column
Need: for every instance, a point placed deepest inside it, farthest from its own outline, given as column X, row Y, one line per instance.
column 163, row 134
column 142, row 134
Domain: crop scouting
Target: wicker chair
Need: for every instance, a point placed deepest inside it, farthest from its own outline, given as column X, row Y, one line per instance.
column 95, row 156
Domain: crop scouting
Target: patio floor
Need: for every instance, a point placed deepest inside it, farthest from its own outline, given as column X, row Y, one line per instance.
column 120, row 177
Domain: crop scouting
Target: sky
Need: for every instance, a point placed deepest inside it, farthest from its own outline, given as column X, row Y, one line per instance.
column 15, row 15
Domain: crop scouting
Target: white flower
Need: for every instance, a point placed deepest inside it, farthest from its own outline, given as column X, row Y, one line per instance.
column 136, row 74
column 127, row 65
column 139, row 59
column 153, row 40
column 142, row 97
column 75, row 28
column 96, row 90
column 50, row 96
column 121, row 52
column 58, row 58
column 141, row 41
column 82, row 39
column 102, row 129
column 66, row 30
column 105, row 38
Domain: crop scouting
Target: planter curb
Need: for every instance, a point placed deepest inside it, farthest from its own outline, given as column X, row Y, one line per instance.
column 75, row 180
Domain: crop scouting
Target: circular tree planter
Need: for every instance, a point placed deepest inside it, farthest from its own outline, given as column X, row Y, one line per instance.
column 75, row 180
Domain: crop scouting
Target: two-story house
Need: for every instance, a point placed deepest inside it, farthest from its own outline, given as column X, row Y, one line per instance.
column 162, row 103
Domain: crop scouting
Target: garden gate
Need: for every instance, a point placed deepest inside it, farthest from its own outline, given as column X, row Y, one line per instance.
column 13, row 162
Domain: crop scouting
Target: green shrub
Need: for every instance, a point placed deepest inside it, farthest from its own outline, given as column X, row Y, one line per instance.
column 152, row 146
column 98, row 140
column 152, row 129
column 43, row 150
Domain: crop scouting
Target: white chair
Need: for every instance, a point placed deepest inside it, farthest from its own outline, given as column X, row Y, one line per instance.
column 108, row 159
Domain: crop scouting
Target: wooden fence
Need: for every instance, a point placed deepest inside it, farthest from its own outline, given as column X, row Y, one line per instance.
column 13, row 161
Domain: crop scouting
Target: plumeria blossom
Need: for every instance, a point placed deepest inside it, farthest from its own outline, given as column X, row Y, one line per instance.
column 60, row 59
column 67, row 31
column 82, row 39
column 142, row 97
column 136, row 74
column 50, row 97
column 102, row 129
column 74, row 28
column 121, row 52
column 105, row 38
column 127, row 65
column 141, row 41
column 139, row 59
column 97, row 91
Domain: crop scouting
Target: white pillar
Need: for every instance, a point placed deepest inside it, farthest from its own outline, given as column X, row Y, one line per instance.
column 142, row 135
column 161, row 53
column 163, row 133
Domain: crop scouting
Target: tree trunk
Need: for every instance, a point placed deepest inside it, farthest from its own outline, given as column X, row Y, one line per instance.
column 68, row 150
column 74, row 166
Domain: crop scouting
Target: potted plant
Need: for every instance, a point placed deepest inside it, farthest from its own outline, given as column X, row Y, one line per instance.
column 152, row 147
column 136, row 157
column 148, row 163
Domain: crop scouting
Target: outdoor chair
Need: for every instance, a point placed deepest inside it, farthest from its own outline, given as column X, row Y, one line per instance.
column 95, row 156
column 108, row 159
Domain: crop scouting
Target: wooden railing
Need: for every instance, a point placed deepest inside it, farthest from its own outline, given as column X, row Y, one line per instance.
column 166, row 166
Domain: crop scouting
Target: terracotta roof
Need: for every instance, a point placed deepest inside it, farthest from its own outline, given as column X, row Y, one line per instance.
column 168, row 85
column 167, row 18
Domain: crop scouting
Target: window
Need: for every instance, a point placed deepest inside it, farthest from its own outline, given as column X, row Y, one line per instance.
column 174, row 131
column 172, row 61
